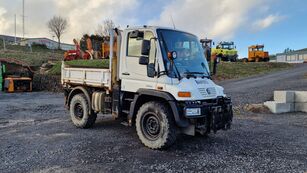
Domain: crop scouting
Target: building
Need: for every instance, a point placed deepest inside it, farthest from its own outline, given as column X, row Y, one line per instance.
column 50, row 44
column 297, row 56
column 10, row 39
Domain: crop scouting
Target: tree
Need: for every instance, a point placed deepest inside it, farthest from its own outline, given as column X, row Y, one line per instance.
column 57, row 25
column 104, row 29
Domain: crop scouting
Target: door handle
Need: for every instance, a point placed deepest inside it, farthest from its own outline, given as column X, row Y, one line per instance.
column 127, row 74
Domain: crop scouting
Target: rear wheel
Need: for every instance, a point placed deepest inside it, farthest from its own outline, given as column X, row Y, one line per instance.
column 245, row 60
column 155, row 125
column 79, row 112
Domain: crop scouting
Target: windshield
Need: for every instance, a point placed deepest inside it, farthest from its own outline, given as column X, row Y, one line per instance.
column 227, row 46
column 190, row 59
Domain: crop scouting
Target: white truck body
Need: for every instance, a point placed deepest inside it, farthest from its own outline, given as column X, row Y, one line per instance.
column 86, row 76
column 147, row 81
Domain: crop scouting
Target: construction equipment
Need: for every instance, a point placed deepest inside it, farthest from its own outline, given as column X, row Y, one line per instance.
column 16, row 75
column 226, row 51
column 211, row 58
column 158, row 81
column 90, row 47
column 257, row 54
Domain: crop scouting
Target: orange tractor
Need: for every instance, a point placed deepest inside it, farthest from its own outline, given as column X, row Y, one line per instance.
column 257, row 54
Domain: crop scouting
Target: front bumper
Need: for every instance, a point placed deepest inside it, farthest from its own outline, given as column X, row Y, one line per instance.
column 215, row 114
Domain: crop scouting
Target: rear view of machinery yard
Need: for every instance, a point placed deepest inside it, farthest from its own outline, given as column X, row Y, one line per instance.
column 153, row 86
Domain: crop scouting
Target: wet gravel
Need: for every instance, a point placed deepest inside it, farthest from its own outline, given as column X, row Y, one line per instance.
column 36, row 135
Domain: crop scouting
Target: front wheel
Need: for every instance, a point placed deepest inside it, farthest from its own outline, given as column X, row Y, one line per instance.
column 79, row 112
column 155, row 125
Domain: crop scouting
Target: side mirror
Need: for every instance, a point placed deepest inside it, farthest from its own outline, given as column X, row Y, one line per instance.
column 145, row 47
column 136, row 34
column 213, row 43
column 143, row 60
column 151, row 71
column 172, row 55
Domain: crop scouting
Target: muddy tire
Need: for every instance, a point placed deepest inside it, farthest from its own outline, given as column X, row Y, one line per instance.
column 79, row 112
column 155, row 125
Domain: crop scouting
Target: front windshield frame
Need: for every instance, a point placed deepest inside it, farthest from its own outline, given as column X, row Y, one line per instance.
column 228, row 46
column 197, row 68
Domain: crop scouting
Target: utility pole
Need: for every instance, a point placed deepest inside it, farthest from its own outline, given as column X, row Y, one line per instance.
column 15, row 30
column 4, row 47
column 23, row 19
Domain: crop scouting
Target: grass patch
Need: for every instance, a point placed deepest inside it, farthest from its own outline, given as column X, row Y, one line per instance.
column 96, row 63
column 37, row 57
column 227, row 70
column 34, row 59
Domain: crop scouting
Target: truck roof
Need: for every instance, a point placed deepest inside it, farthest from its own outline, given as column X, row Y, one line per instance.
column 257, row 46
column 226, row 42
column 155, row 28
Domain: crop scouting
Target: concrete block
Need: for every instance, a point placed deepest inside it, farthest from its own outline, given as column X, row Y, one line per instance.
column 284, row 96
column 278, row 107
column 300, row 107
column 301, row 96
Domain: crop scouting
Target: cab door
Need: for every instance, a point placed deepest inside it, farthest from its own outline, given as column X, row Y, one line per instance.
column 134, row 75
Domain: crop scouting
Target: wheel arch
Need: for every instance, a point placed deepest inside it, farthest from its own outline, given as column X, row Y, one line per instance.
column 78, row 90
column 145, row 95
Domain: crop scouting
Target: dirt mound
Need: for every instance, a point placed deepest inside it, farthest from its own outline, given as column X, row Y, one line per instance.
column 256, row 108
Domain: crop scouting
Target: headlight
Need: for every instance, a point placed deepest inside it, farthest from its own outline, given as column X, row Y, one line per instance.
column 192, row 111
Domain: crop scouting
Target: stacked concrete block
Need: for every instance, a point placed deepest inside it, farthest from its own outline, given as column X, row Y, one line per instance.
column 283, row 102
column 301, row 101
column 284, row 96
column 288, row 101
column 277, row 107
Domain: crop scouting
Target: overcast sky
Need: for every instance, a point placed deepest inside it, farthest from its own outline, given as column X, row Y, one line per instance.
column 276, row 23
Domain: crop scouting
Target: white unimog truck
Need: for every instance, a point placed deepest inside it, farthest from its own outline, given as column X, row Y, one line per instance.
column 158, row 80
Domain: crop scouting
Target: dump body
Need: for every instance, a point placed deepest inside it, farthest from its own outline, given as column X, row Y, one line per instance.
column 86, row 76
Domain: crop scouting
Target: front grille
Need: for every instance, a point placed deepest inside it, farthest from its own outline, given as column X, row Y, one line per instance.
column 207, row 92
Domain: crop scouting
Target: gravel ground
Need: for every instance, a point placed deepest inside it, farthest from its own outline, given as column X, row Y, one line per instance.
column 259, row 89
column 36, row 135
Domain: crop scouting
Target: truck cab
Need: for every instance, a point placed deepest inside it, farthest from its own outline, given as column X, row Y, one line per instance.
column 158, row 81
column 226, row 51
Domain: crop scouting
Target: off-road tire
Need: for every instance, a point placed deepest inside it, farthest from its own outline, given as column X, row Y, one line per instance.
column 245, row 60
column 79, row 112
column 167, row 129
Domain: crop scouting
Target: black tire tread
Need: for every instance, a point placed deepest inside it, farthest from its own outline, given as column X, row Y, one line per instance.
column 170, row 127
column 91, row 118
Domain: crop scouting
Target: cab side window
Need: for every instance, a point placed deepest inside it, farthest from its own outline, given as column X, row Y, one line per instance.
column 135, row 45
